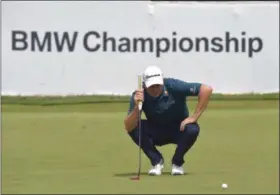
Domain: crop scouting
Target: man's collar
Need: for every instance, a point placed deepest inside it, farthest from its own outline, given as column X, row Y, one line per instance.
column 165, row 92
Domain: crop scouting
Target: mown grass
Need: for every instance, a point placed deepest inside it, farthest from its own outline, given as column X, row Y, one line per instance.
column 83, row 149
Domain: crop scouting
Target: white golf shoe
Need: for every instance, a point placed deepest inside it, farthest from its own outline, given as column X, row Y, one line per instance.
column 176, row 170
column 156, row 170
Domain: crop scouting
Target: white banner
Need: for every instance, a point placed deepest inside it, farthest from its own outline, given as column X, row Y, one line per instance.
column 60, row 48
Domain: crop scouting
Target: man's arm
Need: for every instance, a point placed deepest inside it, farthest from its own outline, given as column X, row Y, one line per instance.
column 203, row 99
column 194, row 89
column 130, row 120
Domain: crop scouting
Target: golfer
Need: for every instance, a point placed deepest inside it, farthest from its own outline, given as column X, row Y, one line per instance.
column 168, row 120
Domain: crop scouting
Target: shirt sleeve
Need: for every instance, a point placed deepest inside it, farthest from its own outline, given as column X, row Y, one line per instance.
column 131, row 103
column 185, row 88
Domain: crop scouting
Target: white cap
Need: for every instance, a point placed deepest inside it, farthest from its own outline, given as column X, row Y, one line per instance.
column 152, row 76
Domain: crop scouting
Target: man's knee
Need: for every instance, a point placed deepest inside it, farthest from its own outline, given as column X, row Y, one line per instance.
column 192, row 129
column 134, row 134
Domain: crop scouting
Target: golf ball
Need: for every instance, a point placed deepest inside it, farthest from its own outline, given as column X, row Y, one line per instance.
column 224, row 185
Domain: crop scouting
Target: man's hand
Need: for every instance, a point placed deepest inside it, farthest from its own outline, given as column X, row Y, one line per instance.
column 131, row 119
column 139, row 96
column 188, row 120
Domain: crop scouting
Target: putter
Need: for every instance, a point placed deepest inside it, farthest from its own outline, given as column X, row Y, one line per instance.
column 137, row 177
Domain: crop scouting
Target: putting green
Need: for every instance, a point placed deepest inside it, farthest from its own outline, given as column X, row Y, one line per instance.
column 84, row 149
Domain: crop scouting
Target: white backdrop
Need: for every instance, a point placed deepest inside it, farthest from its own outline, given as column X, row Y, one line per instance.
column 28, row 72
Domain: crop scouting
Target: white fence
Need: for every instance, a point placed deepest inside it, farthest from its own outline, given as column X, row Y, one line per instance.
column 60, row 48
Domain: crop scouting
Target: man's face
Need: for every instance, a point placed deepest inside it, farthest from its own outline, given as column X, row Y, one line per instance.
column 155, row 90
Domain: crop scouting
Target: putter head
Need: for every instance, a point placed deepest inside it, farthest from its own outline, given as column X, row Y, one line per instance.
column 135, row 178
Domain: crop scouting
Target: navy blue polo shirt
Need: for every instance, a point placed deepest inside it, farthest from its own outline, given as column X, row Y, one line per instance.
column 170, row 107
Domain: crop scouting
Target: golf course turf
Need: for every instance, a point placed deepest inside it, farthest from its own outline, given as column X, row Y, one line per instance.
column 83, row 148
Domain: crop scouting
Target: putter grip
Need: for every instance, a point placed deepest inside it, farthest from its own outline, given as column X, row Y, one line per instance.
column 140, row 103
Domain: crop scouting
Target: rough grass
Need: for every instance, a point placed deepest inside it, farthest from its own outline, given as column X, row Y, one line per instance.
column 58, row 100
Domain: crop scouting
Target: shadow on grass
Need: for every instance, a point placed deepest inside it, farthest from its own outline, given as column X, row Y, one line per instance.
column 146, row 174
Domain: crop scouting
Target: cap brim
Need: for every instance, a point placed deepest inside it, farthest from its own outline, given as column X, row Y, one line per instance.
column 154, row 81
